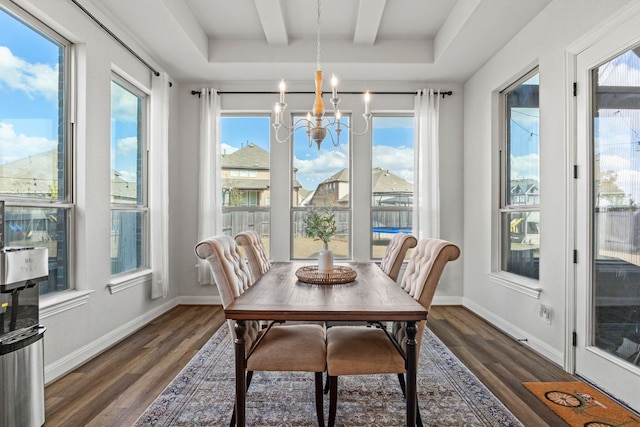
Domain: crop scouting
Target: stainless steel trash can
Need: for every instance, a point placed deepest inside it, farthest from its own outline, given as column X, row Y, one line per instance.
column 22, row 378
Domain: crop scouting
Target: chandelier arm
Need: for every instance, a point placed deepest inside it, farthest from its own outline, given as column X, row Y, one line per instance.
column 333, row 122
column 296, row 126
column 366, row 128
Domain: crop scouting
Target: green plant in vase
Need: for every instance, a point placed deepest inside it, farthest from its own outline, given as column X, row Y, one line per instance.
column 321, row 225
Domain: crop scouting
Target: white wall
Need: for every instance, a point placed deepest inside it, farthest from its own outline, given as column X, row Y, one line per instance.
column 184, row 218
column 542, row 42
column 80, row 332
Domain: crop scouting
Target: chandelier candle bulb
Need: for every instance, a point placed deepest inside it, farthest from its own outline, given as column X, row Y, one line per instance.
column 367, row 98
column 334, row 86
column 277, row 110
column 283, row 87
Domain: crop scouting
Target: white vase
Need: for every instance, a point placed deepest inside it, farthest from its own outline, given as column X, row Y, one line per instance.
column 325, row 260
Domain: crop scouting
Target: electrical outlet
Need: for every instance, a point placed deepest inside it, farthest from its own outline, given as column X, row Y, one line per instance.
column 545, row 313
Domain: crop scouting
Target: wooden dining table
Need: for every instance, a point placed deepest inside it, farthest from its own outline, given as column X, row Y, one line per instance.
column 279, row 295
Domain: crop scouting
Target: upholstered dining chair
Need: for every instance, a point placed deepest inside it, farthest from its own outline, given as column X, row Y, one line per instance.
column 300, row 348
column 395, row 253
column 254, row 251
column 362, row 351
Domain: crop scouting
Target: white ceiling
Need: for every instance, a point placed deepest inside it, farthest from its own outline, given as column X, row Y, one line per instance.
column 361, row 40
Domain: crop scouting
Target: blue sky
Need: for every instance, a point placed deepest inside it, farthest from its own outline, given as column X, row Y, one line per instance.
column 28, row 91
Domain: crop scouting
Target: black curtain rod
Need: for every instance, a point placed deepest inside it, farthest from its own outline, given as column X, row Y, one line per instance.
column 443, row 93
column 116, row 38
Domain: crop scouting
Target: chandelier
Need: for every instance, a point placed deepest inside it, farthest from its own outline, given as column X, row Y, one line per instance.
column 318, row 126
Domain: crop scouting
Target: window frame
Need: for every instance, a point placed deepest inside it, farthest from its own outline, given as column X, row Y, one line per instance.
column 143, row 206
column 67, row 111
column 505, row 204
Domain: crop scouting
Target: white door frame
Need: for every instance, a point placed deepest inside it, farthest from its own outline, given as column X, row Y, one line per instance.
column 612, row 33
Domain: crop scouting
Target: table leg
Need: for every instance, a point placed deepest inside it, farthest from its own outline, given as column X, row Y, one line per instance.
column 412, row 368
column 241, row 387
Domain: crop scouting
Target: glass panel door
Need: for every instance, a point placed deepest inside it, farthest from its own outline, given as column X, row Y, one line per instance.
column 616, row 219
column 607, row 213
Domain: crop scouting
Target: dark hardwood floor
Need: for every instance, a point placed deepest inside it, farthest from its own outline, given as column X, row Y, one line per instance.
column 500, row 362
column 114, row 388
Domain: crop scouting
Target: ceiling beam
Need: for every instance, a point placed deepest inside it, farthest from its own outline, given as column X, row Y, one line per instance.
column 368, row 23
column 272, row 20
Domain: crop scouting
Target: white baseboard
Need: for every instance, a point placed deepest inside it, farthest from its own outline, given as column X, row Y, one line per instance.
column 71, row 361
column 200, row 300
column 446, row 300
column 68, row 363
column 516, row 333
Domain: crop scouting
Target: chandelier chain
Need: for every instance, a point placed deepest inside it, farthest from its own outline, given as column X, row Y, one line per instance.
column 318, row 126
column 318, row 39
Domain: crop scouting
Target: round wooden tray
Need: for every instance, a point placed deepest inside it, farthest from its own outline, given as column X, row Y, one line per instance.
column 340, row 274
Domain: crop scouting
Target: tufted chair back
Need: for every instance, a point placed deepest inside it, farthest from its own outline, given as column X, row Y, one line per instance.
column 394, row 255
column 231, row 275
column 422, row 276
column 254, row 250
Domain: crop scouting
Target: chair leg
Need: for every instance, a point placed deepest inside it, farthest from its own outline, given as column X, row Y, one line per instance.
column 333, row 399
column 232, row 423
column 326, row 385
column 403, row 385
column 319, row 399
column 418, row 417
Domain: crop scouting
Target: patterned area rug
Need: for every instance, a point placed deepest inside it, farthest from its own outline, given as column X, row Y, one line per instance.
column 579, row 404
column 203, row 394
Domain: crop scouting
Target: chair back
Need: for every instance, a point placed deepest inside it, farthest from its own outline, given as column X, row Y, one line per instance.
column 396, row 251
column 254, row 250
column 231, row 274
column 422, row 277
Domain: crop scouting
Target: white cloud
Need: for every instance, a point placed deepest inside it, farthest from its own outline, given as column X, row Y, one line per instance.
column 128, row 175
column 525, row 166
column 33, row 79
column 613, row 163
column 398, row 160
column 314, row 171
column 629, row 182
column 15, row 146
column 227, row 149
column 622, row 71
column 124, row 104
column 627, row 178
column 127, row 145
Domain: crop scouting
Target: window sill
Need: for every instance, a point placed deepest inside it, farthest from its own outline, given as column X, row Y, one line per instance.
column 126, row 281
column 527, row 287
column 55, row 304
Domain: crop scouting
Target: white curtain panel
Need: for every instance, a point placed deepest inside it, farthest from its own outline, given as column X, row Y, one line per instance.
column 210, row 186
column 426, row 209
column 159, row 185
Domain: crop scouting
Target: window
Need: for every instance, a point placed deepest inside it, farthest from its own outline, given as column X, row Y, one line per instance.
column 246, row 174
column 35, row 173
column 129, row 208
column 520, row 179
column 392, row 166
column 321, row 181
